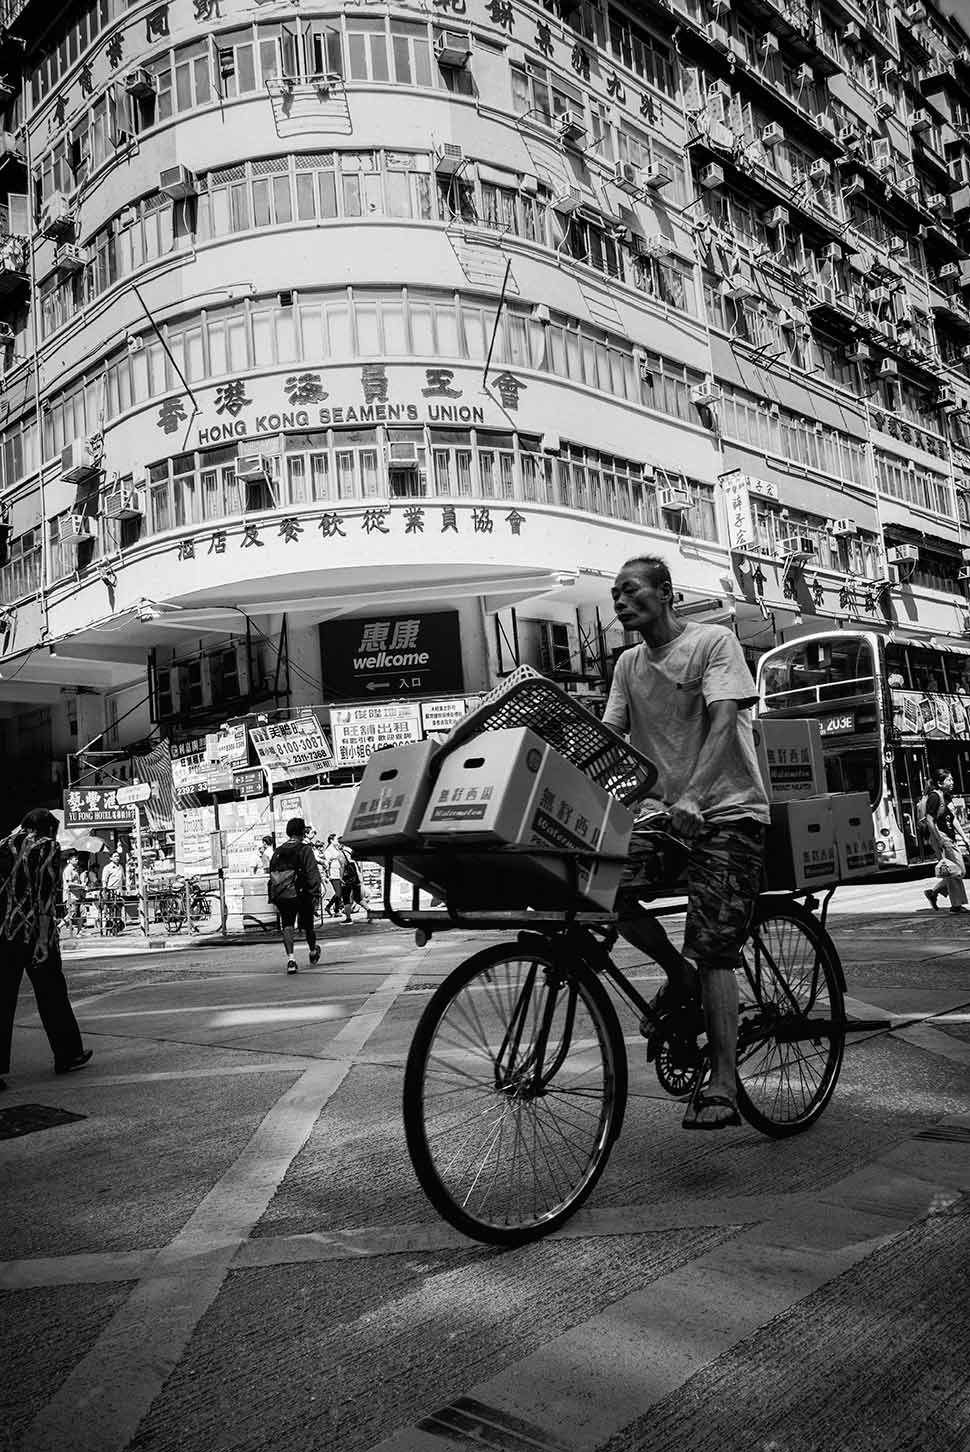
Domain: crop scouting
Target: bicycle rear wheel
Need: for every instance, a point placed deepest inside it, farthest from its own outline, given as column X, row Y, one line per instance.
column 791, row 1034
column 514, row 1092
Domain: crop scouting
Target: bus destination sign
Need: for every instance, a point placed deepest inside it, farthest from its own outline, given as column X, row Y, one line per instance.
column 841, row 725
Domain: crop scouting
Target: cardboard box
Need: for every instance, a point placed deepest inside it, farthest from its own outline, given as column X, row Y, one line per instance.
column 391, row 798
column 509, row 788
column 790, row 758
column 855, row 835
column 801, row 850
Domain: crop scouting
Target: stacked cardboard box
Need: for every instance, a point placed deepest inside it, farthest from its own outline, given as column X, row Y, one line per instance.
column 816, row 837
column 500, row 790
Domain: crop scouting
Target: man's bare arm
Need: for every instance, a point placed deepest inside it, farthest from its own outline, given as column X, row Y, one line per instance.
column 687, row 813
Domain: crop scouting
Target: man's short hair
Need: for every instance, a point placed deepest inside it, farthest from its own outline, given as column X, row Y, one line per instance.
column 656, row 569
column 941, row 774
column 41, row 822
column 330, row 837
column 296, row 827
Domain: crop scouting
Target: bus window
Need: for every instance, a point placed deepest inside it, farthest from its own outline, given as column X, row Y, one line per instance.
column 897, row 666
column 855, row 769
column 817, row 670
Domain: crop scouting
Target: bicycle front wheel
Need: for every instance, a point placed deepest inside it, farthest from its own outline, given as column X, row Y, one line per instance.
column 514, row 1092
column 791, row 1034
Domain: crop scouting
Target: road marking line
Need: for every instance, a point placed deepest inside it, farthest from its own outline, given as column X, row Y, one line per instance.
column 100, row 1404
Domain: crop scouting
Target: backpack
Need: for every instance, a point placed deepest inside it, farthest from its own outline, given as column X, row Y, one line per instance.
column 923, row 819
column 286, row 879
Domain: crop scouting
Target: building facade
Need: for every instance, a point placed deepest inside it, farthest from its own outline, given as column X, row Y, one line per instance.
column 425, row 316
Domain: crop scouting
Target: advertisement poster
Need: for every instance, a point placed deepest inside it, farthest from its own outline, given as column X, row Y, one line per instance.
column 392, row 655
column 228, row 747
column 438, row 717
column 243, row 825
column 193, row 840
column 288, row 750
column 934, row 716
column 359, row 731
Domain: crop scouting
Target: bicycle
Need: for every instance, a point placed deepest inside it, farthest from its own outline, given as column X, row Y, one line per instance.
column 516, row 1080
column 112, row 913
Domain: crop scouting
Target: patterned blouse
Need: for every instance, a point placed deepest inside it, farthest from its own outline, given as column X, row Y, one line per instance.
column 30, row 887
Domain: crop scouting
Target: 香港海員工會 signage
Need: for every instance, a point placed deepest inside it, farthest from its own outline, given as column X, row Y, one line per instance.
column 391, row 656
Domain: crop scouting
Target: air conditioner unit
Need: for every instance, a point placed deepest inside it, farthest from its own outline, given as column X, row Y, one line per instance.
column 711, row 177
column 122, row 504
column 844, row 528
column 881, row 164
column 777, row 217
column 568, row 200
column 772, row 134
column 402, row 455
column 820, row 170
column 73, row 529
column 963, row 573
column 718, row 36
column 134, row 342
column 738, row 287
column 832, row 251
column 910, row 186
column 860, row 353
column 140, row 82
column 884, row 104
column 920, row 121
column 7, row 334
column 965, row 353
column 947, row 271
column 824, row 122
column 899, row 554
column 81, row 459
column 626, row 176
column 176, row 182
column 448, row 159
column 57, row 217
column 69, row 257
column 541, row 314
column 849, row 134
column 571, row 126
column 8, row 89
column 657, row 176
column 879, row 295
column 854, row 187
column 254, row 468
column 738, row 49
column 705, row 394
column 851, row 33
column 797, row 548
column 888, row 368
column 673, row 498
column 453, row 48
column 946, row 399
column 936, row 202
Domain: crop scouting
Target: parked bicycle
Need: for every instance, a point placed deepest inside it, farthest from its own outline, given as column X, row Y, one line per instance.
column 170, row 905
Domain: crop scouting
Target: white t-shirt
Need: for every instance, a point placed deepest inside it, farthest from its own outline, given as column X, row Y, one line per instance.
column 660, row 699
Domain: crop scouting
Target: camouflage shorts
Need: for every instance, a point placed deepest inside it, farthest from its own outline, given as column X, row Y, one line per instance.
column 722, row 872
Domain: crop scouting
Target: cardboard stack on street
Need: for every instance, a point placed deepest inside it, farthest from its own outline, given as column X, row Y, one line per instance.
column 816, row 837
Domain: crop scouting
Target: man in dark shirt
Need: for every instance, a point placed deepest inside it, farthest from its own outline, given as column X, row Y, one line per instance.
column 294, row 887
column 30, row 897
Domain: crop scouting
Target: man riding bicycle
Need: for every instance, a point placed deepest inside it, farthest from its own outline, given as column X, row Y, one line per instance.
column 681, row 697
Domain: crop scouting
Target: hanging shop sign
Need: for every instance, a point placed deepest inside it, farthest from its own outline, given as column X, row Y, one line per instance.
column 289, row 750
column 934, row 716
column 392, row 655
column 740, row 515
column 96, row 807
column 228, row 746
column 134, row 792
column 359, row 731
column 250, row 782
column 194, row 830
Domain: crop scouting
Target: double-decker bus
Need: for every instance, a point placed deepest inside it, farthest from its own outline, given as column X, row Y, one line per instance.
column 891, row 713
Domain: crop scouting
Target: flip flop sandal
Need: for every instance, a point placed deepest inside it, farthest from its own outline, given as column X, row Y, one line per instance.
column 711, row 1101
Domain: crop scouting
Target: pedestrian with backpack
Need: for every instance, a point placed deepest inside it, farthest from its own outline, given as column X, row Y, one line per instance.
column 942, row 834
column 294, row 888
